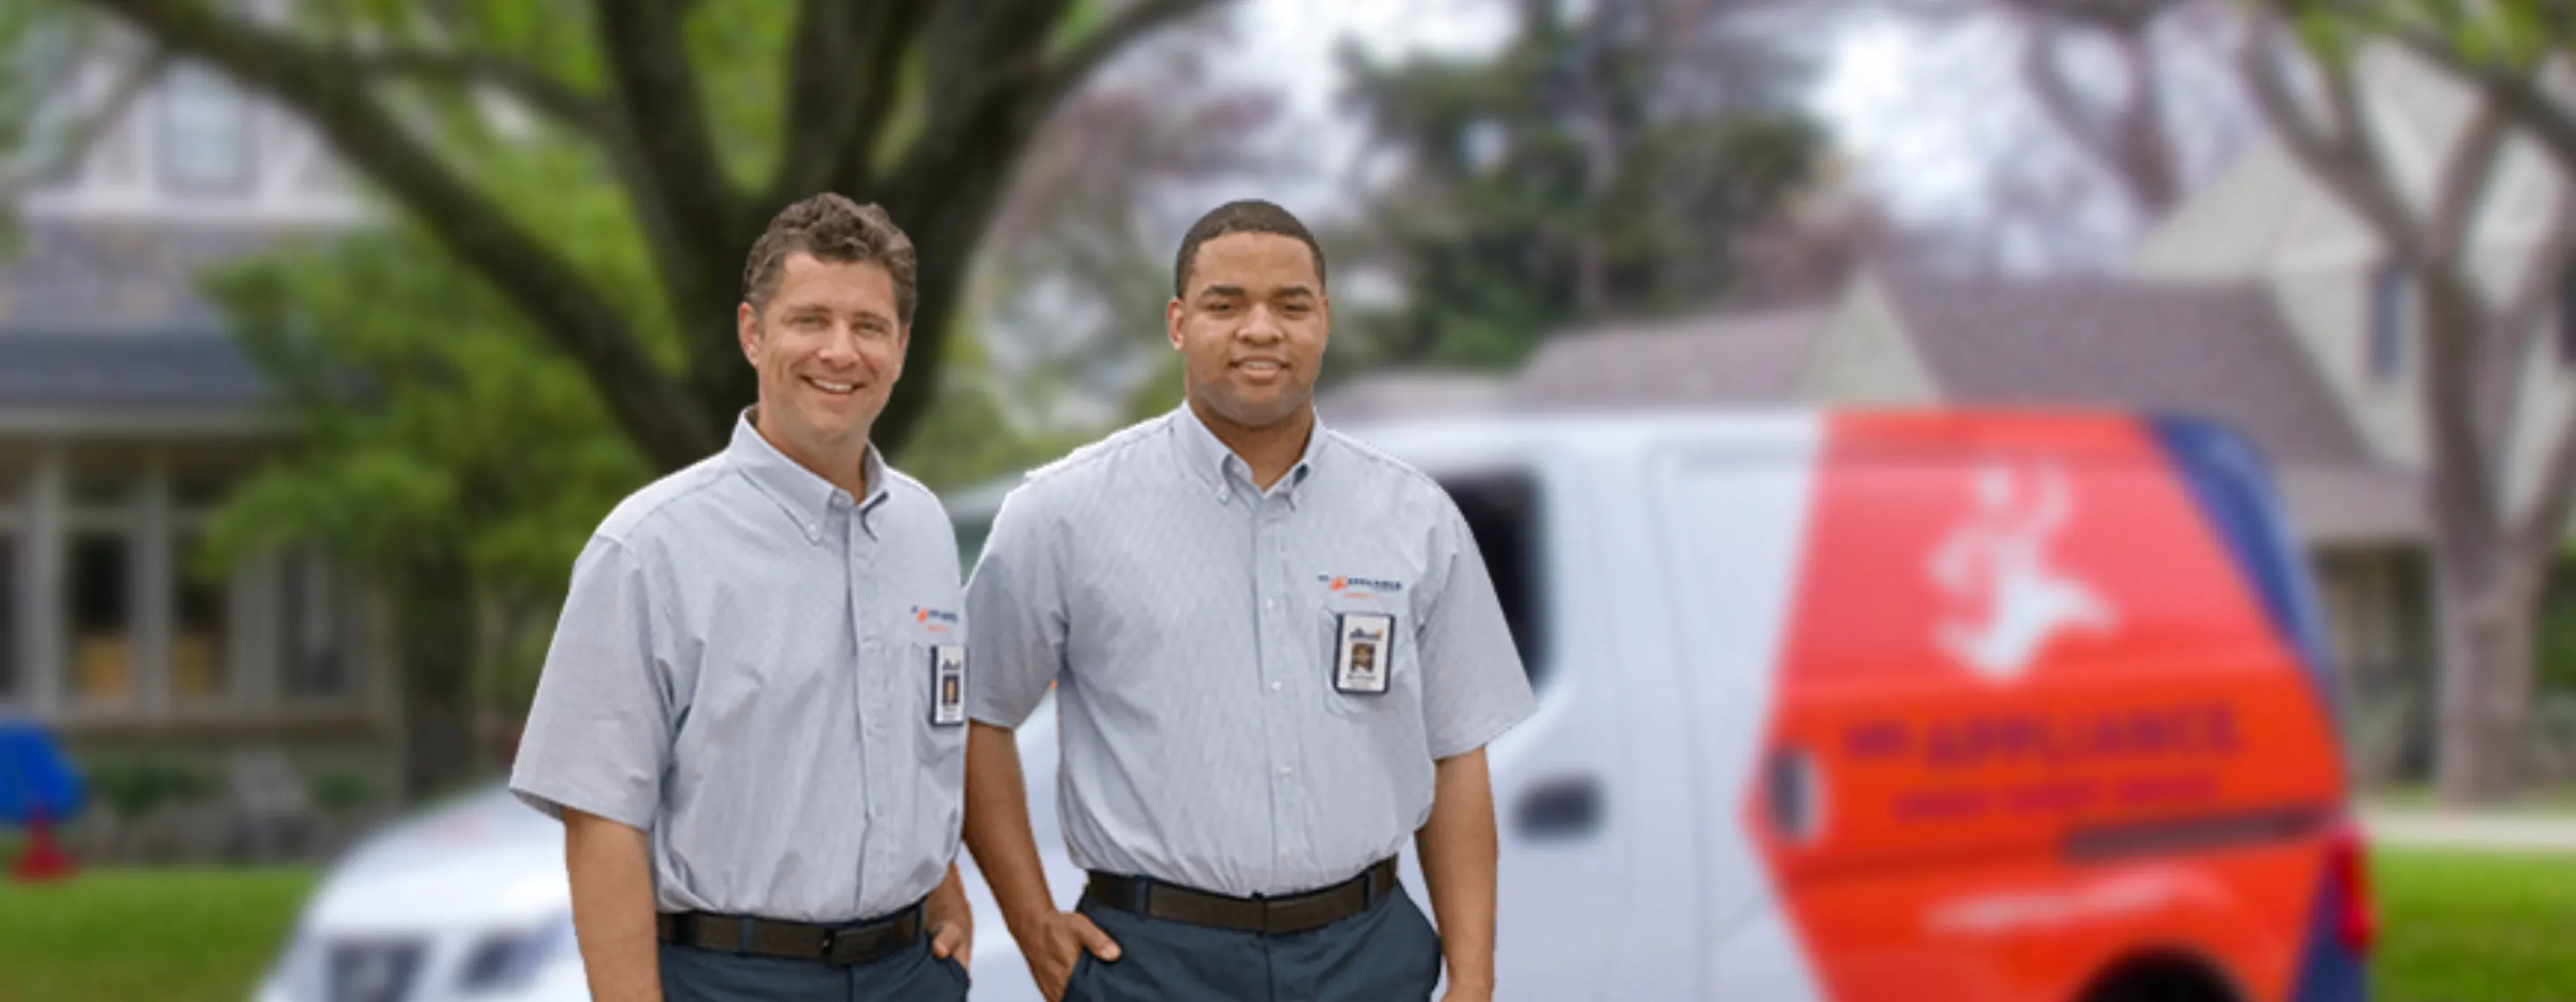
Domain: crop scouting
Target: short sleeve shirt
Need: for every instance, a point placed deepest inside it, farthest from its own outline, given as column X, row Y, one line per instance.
column 744, row 669
column 1193, row 628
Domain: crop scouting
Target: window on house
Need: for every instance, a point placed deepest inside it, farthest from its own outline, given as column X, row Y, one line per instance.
column 98, row 575
column 2391, row 319
column 313, row 631
column 201, row 669
column 205, row 137
column 201, row 637
column 102, row 620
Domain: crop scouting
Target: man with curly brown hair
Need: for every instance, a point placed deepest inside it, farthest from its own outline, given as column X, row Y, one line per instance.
column 748, row 719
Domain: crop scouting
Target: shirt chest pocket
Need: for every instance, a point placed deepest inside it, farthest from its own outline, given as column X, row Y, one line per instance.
column 1364, row 662
column 933, row 661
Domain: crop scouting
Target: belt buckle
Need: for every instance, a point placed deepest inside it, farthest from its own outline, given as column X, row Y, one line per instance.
column 830, row 936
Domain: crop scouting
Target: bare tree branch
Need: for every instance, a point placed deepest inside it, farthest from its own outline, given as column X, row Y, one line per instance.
column 2466, row 177
column 2146, row 155
column 2337, row 150
column 2519, row 94
column 83, row 133
column 2046, row 74
column 2124, row 16
column 1121, row 29
column 2520, row 324
column 560, row 302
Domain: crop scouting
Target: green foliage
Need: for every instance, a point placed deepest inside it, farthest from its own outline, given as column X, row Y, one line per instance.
column 1596, row 166
column 2513, row 34
column 131, row 787
column 435, row 423
column 340, row 790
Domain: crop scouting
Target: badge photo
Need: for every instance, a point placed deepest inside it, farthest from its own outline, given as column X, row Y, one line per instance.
column 1365, row 656
column 947, row 685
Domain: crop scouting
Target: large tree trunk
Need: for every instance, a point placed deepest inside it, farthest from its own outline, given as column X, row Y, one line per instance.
column 2486, row 676
column 433, row 637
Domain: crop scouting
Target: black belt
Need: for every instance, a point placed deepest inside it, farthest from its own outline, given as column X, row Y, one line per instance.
column 855, row 943
column 1270, row 916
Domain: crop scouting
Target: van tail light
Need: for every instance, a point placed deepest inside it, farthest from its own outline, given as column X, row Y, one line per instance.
column 2348, row 866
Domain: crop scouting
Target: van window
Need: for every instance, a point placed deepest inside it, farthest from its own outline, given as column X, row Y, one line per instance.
column 1503, row 513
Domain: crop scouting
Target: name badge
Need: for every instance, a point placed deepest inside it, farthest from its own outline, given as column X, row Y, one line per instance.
column 1366, row 653
column 947, row 685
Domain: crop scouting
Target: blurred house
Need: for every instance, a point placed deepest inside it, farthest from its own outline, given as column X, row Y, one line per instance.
column 2261, row 302
column 127, row 413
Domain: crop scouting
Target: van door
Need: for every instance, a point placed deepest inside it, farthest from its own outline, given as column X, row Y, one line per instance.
column 1589, row 793
column 1728, row 525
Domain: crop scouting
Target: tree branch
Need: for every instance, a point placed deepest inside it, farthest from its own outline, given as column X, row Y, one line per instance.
column 2465, row 178
column 2519, row 95
column 2520, row 324
column 2337, row 151
column 2116, row 15
column 1143, row 16
column 688, row 208
column 842, row 78
column 539, row 91
column 560, row 304
column 2047, row 78
column 82, row 134
column 2146, row 153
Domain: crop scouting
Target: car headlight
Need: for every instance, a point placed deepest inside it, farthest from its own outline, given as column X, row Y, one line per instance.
column 510, row 960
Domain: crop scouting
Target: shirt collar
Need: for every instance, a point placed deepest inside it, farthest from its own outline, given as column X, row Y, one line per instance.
column 807, row 498
column 1219, row 468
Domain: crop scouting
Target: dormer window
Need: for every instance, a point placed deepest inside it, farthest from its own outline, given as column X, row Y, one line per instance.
column 2392, row 314
column 204, row 136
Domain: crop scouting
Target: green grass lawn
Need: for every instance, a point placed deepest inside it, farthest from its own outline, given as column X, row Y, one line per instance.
column 176, row 935
column 2456, row 927
column 2461, row 926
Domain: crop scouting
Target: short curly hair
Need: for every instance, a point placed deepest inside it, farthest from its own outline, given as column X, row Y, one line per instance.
column 832, row 228
column 1250, row 215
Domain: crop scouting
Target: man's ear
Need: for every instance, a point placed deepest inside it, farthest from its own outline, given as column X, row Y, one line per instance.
column 1172, row 322
column 746, row 327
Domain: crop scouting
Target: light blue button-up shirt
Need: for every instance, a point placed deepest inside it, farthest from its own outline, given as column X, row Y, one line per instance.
column 1188, row 622
column 743, row 668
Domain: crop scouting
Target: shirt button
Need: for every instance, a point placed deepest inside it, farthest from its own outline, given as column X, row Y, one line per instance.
column 1287, row 770
column 1276, row 686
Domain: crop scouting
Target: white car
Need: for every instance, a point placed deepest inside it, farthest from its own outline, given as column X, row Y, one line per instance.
column 2017, row 706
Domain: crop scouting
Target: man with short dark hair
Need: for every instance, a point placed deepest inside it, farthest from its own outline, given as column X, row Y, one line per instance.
column 1276, row 656
column 747, row 719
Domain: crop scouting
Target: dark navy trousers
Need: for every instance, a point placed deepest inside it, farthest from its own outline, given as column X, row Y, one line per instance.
column 690, row 974
column 1389, row 953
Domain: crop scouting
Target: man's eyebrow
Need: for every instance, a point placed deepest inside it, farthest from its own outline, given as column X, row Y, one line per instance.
column 1293, row 290
column 1221, row 290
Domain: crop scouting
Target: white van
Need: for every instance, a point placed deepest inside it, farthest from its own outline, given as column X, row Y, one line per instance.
column 1852, row 705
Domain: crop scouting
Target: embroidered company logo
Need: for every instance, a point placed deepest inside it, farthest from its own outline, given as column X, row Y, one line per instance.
column 936, row 620
column 1360, row 587
column 1997, row 563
